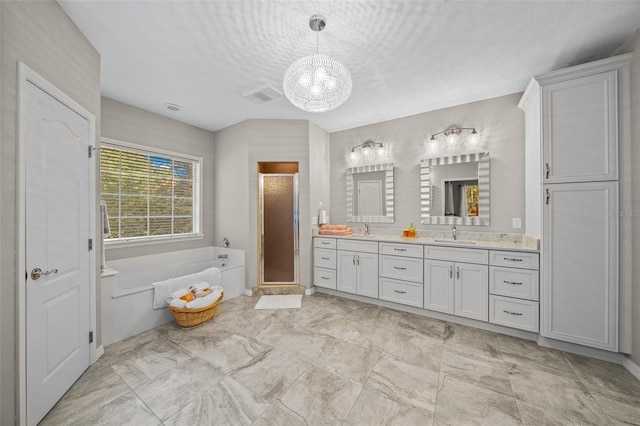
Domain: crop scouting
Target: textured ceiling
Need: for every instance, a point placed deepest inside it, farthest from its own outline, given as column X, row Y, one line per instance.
column 405, row 57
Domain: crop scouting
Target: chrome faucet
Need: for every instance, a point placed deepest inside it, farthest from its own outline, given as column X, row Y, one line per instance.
column 453, row 233
column 223, row 256
column 366, row 229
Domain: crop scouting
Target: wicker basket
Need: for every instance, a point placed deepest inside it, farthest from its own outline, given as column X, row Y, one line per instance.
column 191, row 318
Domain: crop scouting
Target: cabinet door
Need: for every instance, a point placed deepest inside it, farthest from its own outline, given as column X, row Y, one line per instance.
column 346, row 271
column 367, row 276
column 472, row 291
column 580, row 264
column 580, row 129
column 438, row 285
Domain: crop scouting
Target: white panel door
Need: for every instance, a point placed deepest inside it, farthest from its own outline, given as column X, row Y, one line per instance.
column 57, row 232
column 367, row 279
column 438, row 285
column 472, row 291
column 580, row 129
column 347, row 276
column 580, row 264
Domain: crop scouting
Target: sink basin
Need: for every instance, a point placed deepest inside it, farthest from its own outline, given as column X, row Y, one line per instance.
column 456, row 242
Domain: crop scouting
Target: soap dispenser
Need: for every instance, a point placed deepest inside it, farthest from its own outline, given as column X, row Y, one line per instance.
column 412, row 231
column 322, row 216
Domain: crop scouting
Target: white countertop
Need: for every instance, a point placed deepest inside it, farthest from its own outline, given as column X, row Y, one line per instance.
column 530, row 245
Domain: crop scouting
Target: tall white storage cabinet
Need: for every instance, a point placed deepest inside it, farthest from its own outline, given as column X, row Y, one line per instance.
column 575, row 123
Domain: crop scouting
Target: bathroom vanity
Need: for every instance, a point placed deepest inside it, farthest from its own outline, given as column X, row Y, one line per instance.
column 487, row 281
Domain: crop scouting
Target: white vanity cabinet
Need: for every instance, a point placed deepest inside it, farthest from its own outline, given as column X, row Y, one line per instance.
column 580, row 128
column 577, row 180
column 453, row 284
column 514, row 289
column 357, row 267
column 400, row 273
column 580, row 256
column 324, row 262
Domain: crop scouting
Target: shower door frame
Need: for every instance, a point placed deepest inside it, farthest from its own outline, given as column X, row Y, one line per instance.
column 296, row 230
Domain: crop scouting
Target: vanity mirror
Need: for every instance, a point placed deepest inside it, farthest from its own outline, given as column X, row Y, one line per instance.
column 370, row 193
column 455, row 190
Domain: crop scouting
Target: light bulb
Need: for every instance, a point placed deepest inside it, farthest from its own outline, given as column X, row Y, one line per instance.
column 353, row 155
column 305, row 80
column 380, row 151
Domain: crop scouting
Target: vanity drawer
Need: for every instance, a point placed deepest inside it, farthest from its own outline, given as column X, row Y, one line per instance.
column 395, row 249
column 455, row 254
column 515, row 259
column 357, row 245
column 324, row 258
column 515, row 313
column 402, row 292
column 512, row 282
column 324, row 278
column 402, row 268
column 328, row 243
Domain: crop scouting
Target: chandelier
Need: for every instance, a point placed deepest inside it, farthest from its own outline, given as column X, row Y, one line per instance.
column 317, row 83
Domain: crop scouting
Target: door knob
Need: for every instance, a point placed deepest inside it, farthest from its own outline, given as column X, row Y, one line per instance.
column 36, row 273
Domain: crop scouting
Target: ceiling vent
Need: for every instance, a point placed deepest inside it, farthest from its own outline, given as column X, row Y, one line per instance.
column 262, row 95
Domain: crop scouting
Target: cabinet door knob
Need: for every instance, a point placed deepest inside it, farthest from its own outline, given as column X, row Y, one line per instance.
column 548, row 197
column 457, row 272
column 547, row 170
column 450, row 271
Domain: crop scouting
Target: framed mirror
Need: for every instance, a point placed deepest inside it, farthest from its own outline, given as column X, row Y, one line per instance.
column 370, row 194
column 455, row 190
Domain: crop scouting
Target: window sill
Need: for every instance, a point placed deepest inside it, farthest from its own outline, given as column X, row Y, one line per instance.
column 133, row 242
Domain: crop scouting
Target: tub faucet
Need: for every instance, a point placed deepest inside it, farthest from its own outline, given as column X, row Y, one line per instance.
column 453, row 233
column 366, row 229
column 223, row 256
column 225, row 242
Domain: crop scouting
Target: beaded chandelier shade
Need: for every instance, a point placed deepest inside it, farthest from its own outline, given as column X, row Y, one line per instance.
column 317, row 83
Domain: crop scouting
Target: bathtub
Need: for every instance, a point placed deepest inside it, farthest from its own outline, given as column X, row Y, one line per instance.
column 127, row 295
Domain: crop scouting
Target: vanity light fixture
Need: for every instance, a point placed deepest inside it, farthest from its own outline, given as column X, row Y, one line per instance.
column 367, row 148
column 317, row 83
column 455, row 131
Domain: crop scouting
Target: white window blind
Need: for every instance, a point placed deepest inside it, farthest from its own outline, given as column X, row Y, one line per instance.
column 149, row 195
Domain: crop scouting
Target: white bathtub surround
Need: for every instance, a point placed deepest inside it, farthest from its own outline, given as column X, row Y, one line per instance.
column 127, row 298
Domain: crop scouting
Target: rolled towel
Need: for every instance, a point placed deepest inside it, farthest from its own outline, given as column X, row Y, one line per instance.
column 338, row 227
column 178, row 303
column 198, row 287
column 201, row 302
column 178, row 294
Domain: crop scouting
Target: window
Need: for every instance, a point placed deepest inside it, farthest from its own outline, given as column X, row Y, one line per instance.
column 150, row 194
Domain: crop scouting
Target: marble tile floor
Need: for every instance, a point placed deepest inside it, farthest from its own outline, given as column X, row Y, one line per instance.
column 342, row 362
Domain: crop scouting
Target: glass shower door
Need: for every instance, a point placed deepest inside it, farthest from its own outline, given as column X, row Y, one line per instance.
column 279, row 229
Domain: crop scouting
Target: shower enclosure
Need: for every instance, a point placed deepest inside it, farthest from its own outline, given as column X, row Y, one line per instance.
column 278, row 216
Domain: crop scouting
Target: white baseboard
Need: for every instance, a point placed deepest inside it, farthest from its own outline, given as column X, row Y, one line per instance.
column 99, row 352
column 632, row 367
column 614, row 357
column 309, row 291
column 248, row 292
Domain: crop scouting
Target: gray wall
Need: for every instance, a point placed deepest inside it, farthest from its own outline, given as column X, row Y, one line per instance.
column 239, row 148
column 231, row 209
column 319, row 168
column 280, row 140
column 406, row 140
column 127, row 123
column 42, row 36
